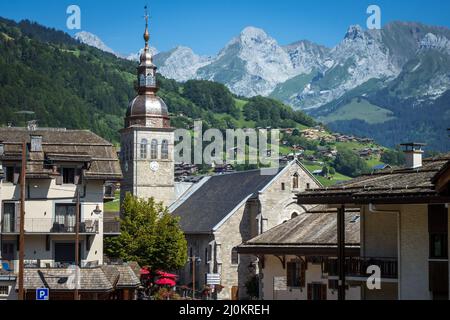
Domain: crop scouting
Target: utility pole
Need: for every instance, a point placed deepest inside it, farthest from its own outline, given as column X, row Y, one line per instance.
column 341, row 252
column 194, row 260
column 193, row 278
column 22, row 220
column 77, row 244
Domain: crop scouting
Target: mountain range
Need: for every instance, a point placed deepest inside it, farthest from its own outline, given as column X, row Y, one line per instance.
column 390, row 84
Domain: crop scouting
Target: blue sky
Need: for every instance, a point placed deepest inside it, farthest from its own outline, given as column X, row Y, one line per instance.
column 207, row 25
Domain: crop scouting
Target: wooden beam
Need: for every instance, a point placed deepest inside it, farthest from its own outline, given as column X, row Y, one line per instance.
column 341, row 252
column 282, row 260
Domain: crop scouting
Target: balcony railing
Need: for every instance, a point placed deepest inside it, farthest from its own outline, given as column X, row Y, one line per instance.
column 37, row 225
column 111, row 227
column 357, row 267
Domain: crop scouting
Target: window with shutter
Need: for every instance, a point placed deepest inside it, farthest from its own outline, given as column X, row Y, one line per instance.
column 303, row 275
column 16, row 175
column 9, row 174
column 293, row 274
column 78, row 176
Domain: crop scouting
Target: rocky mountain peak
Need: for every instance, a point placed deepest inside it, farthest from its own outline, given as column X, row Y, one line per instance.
column 354, row 32
column 92, row 40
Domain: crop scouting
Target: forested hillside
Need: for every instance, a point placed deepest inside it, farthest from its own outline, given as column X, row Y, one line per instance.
column 71, row 85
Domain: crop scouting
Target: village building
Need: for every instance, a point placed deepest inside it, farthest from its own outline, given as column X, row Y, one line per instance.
column 293, row 256
column 404, row 227
column 107, row 282
column 62, row 166
column 147, row 140
column 221, row 212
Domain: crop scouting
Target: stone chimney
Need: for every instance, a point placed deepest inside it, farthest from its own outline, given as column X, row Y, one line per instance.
column 36, row 143
column 413, row 154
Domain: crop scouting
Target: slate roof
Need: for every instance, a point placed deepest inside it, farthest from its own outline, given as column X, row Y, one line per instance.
column 93, row 279
column 386, row 185
column 217, row 197
column 99, row 279
column 62, row 145
column 122, row 276
column 313, row 229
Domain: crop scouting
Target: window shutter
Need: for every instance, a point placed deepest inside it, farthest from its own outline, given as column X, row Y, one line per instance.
column 302, row 274
column 59, row 179
column 323, row 292
column 290, row 274
column 16, row 175
column 309, row 291
column 77, row 179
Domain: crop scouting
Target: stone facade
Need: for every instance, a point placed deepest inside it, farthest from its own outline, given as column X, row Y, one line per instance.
column 142, row 178
column 273, row 269
column 273, row 205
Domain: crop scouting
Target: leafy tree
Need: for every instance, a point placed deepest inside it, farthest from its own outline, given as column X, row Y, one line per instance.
column 332, row 171
column 350, row 164
column 325, row 171
column 149, row 235
column 393, row 157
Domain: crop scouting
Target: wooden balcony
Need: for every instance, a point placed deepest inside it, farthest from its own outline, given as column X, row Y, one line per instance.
column 111, row 227
column 357, row 267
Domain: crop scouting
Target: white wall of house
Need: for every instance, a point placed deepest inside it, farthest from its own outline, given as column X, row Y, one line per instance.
column 411, row 240
column 414, row 253
column 274, row 269
column 42, row 197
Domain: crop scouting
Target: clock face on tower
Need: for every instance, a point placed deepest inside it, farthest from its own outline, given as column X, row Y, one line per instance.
column 154, row 166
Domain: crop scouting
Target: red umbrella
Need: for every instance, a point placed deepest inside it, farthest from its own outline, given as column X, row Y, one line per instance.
column 165, row 282
column 166, row 275
column 145, row 271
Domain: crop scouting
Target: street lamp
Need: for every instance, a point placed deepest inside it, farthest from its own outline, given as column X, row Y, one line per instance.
column 194, row 260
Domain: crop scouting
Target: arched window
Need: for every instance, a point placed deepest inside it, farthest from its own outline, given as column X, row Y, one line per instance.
column 295, row 181
column 294, row 215
column 165, row 150
column 144, row 148
column 154, row 149
column 234, row 257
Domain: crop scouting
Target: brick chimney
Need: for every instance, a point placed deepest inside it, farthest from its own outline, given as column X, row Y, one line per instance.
column 413, row 154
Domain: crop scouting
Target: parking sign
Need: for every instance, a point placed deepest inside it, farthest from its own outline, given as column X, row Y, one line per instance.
column 42, row 294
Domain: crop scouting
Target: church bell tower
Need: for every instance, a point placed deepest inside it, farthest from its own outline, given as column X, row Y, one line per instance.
column 147, row 140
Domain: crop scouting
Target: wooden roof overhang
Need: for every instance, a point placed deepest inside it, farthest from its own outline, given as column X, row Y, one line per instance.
column 352, row 199
column 352, row 250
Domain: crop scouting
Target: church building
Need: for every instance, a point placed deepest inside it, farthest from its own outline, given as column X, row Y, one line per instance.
column 147, row 139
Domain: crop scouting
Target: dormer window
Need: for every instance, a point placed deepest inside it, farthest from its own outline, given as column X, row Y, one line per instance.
column 68, row 175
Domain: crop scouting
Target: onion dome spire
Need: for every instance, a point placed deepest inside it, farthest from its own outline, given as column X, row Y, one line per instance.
column 147, row 109
column 146, row 33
